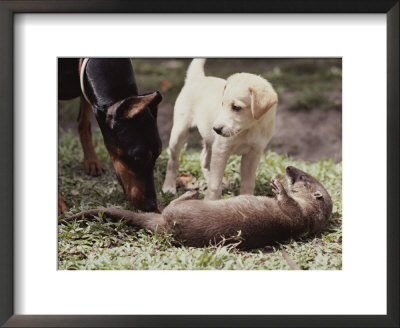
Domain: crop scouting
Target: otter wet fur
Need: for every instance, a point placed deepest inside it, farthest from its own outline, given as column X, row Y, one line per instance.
column 259, row 220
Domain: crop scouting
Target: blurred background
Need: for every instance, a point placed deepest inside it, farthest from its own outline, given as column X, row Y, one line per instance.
column 309, row 116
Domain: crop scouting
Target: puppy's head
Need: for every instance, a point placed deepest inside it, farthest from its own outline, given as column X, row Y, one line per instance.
column 246, row 98
column 131, row 136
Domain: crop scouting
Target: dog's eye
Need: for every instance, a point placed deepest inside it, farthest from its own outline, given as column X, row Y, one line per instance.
column 302, row 177
column 236, row 108
column 137, row 158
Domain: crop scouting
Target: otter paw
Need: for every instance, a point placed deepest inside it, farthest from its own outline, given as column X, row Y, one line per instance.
column 276, row 186
column 192, row 194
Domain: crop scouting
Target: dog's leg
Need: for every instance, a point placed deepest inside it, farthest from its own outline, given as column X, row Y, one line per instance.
column 61, row 204
column 90, row 160
column 219, row 158
column 179, row 135
column 205, row 160
column 248, row 168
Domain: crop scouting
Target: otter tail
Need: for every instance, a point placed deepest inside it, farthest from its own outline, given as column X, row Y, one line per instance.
column 148, row 221
column 196, row 68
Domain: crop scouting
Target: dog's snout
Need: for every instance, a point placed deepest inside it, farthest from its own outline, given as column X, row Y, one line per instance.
column 152, row 207
column 218, row 129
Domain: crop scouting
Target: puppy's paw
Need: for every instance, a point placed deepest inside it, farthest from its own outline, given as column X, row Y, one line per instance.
column 93, row 167
column 169, row 189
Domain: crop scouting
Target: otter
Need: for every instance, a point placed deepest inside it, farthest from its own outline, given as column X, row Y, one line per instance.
column 258, row 220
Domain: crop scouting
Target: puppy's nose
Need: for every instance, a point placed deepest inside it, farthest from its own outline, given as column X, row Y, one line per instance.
column 218, row 129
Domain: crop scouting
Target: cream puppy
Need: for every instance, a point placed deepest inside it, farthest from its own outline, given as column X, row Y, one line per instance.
column 233, row 116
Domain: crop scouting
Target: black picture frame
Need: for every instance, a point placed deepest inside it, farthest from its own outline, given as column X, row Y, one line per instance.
column 7, row 11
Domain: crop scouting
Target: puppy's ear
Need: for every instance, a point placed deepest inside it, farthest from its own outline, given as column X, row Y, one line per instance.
column 132, row 106
column 262, row 99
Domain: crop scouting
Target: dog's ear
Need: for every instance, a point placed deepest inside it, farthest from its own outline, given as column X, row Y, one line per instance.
column 262, row 100
column 132, row 106
column 153, row 105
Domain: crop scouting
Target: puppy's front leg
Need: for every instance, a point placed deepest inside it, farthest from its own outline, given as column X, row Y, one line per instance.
column 217, row 167
column 205, row 161
column 248, row 168
column 179, row 135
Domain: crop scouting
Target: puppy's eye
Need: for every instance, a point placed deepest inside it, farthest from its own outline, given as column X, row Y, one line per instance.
column 236, row 108
column 137, row 158
column 302, row 177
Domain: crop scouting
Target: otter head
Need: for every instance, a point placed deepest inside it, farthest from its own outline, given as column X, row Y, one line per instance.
column 131, row 136
column 303, row 185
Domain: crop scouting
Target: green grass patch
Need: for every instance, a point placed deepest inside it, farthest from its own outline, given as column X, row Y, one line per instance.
column 105, row 245
column 312, row 98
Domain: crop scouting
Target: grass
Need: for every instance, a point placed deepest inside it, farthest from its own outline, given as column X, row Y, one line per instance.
column 95, row 245
column 311, row 98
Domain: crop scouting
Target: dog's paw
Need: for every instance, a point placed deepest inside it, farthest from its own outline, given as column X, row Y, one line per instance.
column 169, row 189
column 62, row 207
column 93, row 167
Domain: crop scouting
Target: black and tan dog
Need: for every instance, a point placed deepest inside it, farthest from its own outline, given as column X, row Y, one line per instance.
column 128, row 122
